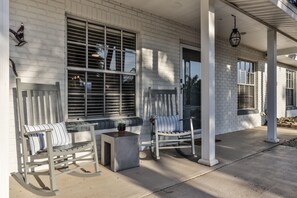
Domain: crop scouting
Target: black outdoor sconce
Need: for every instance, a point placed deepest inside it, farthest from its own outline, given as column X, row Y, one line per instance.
column 235, row 37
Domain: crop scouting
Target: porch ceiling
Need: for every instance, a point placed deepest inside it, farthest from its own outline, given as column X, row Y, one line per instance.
column 277, row 14
column 253, row 17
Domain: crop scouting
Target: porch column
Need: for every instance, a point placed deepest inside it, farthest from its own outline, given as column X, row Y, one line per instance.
column 4, row 99
column 271, row 87
column 208, row 83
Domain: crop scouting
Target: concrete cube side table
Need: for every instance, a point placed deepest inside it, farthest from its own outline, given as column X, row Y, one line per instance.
column 121, row 151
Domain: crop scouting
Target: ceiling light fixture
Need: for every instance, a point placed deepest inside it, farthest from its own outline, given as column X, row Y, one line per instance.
column 235, row 37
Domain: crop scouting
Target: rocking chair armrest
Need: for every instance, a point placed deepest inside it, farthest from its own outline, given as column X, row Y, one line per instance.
column 190, row 118
column 38, row 131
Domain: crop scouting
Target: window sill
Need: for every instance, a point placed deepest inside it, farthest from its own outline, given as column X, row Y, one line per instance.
column 247, row 111
column 291, row 108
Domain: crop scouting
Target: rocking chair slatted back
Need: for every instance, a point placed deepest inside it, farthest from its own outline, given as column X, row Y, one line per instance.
column 39, row 107
column 163, row 102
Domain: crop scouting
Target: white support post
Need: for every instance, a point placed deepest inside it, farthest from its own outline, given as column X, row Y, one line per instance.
column 4, row 99
column 271, row 87
column 208, row 83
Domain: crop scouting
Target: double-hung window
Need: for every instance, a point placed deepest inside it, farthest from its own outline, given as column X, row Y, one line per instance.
column 101, row 69
column 290, row 86
column 246, row 85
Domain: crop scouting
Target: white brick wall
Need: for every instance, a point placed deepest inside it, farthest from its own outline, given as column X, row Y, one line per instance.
column 281, row 88
column 227, row 119
column 42, row 59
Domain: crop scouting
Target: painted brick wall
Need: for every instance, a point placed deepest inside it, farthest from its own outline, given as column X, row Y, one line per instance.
column 281, row 100
column 42, row 59
column 158, row 44
column 227, row 119
column 281, row 90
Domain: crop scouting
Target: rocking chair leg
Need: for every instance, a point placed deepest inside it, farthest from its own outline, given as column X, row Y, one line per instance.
column 26, row 168
column 74, row 156
column 51, row 163
column 51, row 175
column 66, row 164
column 157, row 146
column 26, row 173
column 95, row 149
column 96, row 161
column 192, row 137
column 193, row 146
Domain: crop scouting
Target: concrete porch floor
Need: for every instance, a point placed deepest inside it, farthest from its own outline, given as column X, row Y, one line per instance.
column 249, row 167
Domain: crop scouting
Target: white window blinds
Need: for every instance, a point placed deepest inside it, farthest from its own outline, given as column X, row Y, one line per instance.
column 101, row 65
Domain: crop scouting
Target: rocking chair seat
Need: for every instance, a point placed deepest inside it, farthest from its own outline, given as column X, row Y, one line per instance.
column 174, row 134
column 69, row 148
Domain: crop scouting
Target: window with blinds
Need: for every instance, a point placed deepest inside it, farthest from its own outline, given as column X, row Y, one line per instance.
column 290, row 88
column 246, row 85
column 101, row 65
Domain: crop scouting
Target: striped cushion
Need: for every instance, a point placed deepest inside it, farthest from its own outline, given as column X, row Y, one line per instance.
column 168, row 123
column 59, row 133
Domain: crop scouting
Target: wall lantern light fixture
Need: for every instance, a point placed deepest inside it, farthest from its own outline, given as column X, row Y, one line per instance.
column 235, row 37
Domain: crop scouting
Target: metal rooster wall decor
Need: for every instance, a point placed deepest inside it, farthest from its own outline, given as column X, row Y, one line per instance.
column 19, row 35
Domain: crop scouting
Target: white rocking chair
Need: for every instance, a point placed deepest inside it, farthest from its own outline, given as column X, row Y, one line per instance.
column 166, row 133
column 44, row 141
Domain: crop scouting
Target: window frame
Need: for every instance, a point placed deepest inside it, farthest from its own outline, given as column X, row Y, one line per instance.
column 293, row 88
column 104, row 71
column 243, row 111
